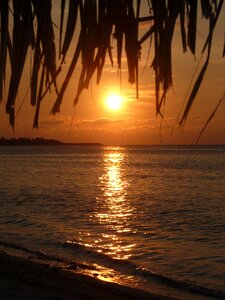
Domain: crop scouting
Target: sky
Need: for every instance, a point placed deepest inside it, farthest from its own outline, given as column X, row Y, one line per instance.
column 135, row 121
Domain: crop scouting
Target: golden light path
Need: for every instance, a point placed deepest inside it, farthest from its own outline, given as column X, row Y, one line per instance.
column 116, row 212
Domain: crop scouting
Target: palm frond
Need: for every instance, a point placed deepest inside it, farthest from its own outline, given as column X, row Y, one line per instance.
column 4, row 38
column 210, row 118
column 61, row 25
column 70, row 27
column 22, row 37
column 96, row 22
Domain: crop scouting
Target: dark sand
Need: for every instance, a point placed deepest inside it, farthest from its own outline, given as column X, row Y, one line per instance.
column 25, row 278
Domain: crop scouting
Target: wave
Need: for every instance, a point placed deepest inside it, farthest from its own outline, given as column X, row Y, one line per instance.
column 90, row 257
column 131, row 268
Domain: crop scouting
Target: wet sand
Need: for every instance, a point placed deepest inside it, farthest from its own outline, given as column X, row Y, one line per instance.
column 25, row 278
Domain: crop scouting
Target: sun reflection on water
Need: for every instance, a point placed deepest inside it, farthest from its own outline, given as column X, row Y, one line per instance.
column 115, row 211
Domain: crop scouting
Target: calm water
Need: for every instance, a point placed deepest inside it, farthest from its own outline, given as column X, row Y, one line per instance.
column 154, row 207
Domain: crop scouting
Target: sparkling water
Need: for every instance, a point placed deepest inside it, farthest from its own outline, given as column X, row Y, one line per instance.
column 156, row 208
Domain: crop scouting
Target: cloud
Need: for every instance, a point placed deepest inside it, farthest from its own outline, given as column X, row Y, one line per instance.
column 116, row 125
column 95, row 123
column 53, row 122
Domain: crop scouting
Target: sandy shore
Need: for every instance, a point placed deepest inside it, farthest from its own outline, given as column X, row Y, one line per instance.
column 24, row 278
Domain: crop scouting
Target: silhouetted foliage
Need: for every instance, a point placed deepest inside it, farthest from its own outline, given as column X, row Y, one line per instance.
column 97, row 22
column 23, row 141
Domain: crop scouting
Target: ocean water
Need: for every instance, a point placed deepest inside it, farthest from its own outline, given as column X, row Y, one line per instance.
column 133, row 214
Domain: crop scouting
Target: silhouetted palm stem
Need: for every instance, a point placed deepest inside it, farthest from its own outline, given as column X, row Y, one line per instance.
column 97, row 21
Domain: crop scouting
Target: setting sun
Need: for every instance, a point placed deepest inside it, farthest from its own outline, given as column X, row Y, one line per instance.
column 114, row 102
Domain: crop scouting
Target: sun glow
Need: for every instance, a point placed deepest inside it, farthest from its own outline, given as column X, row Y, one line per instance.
column 114, row 102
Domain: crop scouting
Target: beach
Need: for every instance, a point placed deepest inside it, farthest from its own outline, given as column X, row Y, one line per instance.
column 27, row 278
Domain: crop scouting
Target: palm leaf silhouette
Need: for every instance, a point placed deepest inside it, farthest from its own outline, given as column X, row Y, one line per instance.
column 96, row 21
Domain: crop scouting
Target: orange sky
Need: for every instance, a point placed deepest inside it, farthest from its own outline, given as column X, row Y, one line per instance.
column 135, row 122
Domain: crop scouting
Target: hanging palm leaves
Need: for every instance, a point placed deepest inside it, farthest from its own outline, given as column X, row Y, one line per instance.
column 96, row 22
column 22, row 37
column 4, row 38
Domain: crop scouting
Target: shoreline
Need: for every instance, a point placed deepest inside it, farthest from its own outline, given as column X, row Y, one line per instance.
column 24, row 278
column 30, row 274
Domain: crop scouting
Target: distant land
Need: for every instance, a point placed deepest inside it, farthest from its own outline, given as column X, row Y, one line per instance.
column 40, row 141
column 52, row 142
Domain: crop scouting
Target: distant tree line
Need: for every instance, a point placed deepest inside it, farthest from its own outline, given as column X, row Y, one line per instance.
column 40, row 141
column 29, row 141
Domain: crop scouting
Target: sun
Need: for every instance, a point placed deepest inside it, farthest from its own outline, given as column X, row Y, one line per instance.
column 114, row 102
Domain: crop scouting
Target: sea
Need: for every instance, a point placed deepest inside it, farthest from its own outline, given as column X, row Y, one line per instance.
column 150, row 217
